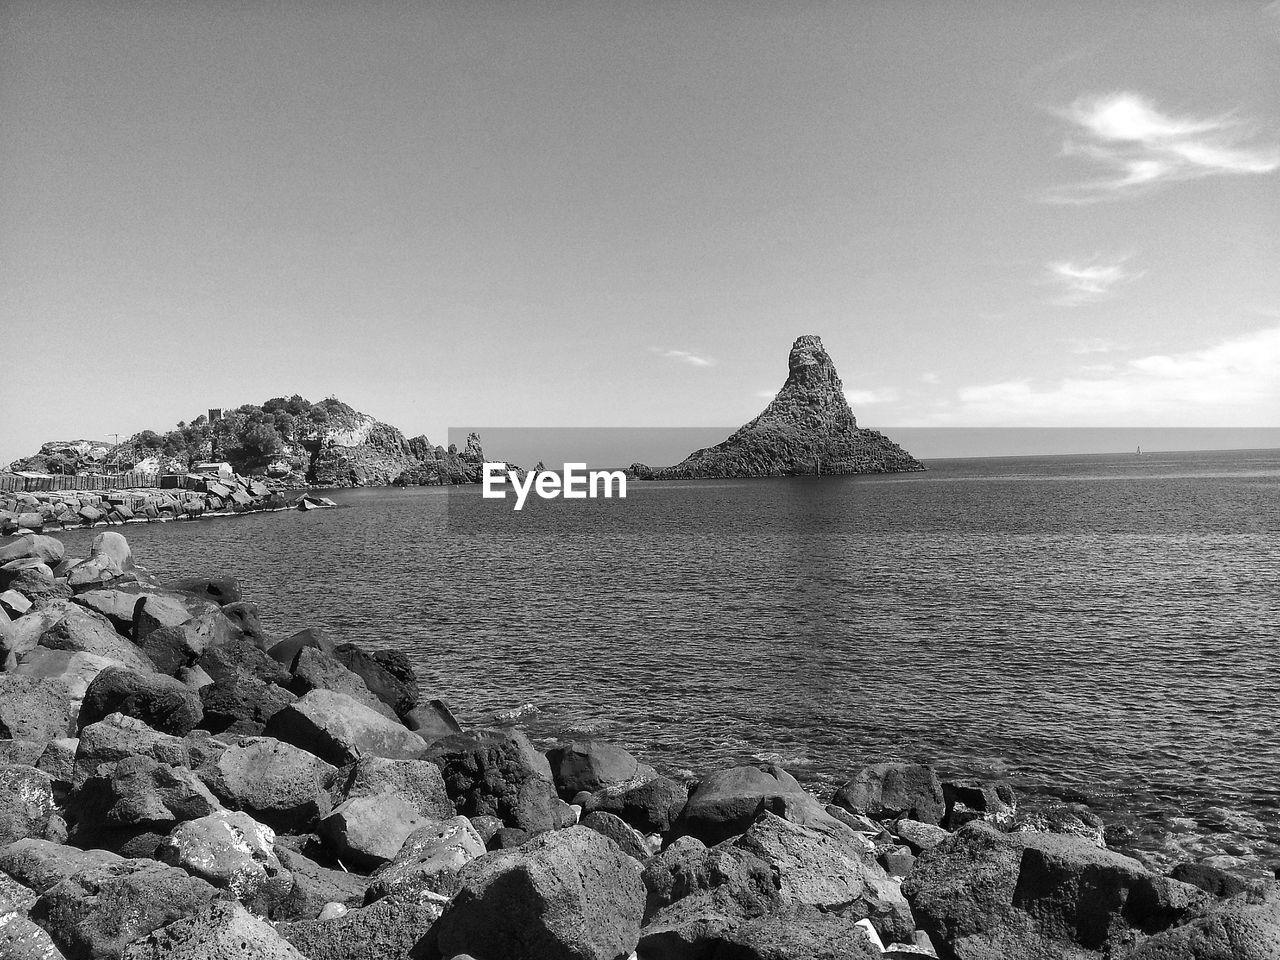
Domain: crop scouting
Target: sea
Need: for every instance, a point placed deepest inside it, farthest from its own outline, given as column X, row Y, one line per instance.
column 1098, row 629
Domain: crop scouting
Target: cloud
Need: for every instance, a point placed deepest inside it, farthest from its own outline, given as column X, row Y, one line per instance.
column 1143, row 147
column 684, row 356
column 930, row 377
column 1232, row 383
column 1086, row 345
column 870, row 397
column 1088, row 281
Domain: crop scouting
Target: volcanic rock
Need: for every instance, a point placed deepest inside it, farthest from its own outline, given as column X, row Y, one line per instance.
column 497, row 773
column 428, row 861
column 28, row 808
column 161, row 702
column 887, row 791
column 807, row 429
column 232, row 851
column 340, row 730
column 221, row 931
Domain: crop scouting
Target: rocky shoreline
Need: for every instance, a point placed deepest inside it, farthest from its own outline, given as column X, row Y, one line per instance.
column 175, row 782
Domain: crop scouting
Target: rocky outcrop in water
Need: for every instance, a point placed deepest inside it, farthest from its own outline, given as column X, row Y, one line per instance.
column 808, row 429
column 137, row 822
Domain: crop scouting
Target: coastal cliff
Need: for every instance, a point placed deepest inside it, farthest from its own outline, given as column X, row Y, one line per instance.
column 807, row 429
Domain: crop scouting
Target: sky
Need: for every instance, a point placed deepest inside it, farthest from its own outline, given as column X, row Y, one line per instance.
column 622, row 214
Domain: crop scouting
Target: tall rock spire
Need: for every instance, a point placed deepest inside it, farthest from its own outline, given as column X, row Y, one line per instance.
column 808, row 428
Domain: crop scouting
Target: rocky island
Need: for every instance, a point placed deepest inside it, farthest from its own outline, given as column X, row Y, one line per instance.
column 176, row 782
column 807, row 429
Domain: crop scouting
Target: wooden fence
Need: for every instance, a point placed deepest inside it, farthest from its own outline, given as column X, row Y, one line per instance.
column 12, row 483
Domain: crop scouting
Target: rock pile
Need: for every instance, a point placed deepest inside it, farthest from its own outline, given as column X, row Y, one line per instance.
column 176, row 783
column 61, row 509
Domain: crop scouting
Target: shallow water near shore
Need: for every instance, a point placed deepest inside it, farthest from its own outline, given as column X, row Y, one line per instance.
column 1100, row 629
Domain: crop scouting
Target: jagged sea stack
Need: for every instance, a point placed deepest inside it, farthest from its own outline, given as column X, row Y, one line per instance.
column 807, row 429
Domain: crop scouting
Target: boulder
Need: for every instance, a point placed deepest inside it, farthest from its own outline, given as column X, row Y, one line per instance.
column 199, row 623
column 367, row 831
column 161, row 702
column 919, row 836
column 286, row 651
column 1232, row 931
column 58, row 760
column 795, row 932
column 650, row 805
column 497, row 773
column 245, row 618
column 20, row 939
column 432, row 720
column 316, row 670
column 687, row 867
column 25, row 752
column 41, row 864
column 829, row 872
column 428, row 861
column 117, row 604
column 221, row 590
column 592, row 765
column 388, row 674
column 569, row 894
column 98, row 912
column 29, row 576
column 117, row 737
column 1211, row 879
column 888, row 791
column 390, row 929
column 340, row 730
column 275, row 782
column 726, row 802
column 221, row 931
column 63, row 625
column 242, row 656
column 629, row 840
column 28, row 808
column 95, row 573
column 1073, row 819
column 38, row 709
column 314, row 886
column 240, row 705
column 113, row 545
column 30, row 546
column 138, row 792
column 969, row 800
column 986, row 893
column 417, row 781
column 232, row 851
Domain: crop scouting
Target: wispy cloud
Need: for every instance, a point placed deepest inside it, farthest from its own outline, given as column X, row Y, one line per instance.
column 1087, row 345
column 1230, row 383
column 684, row 356
column 1143, row 147
column 1087, row 281
column 930, row 377
column 870, row 397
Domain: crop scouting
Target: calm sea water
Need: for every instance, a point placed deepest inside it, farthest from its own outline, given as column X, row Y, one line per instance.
column 1100, row 629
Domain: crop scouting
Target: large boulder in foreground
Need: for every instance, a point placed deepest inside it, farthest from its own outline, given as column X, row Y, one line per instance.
column 138, row 793
column 160, row 702
column 429, row 861
column 117, row 737
column 831, row 872
column 985, row 893
column 277, row 783
column 888, row 791
column 728, row 801
column 1234, row 931
column 497, row 773
column 566, row 895
column 232, row 851
column 222, row 931
column 341, row 730
column 98, row 912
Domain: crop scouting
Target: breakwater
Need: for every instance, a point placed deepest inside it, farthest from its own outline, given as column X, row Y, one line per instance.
column 179, row 498
column 178, row 782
